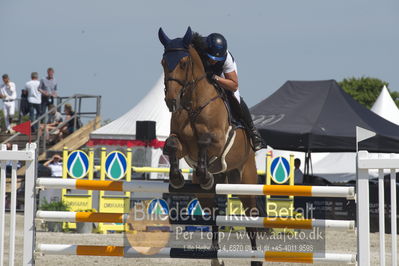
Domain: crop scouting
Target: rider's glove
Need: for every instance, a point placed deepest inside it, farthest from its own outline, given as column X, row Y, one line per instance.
column 209, row 76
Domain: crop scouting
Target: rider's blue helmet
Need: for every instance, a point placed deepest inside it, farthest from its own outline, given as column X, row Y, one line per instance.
column 216, row 47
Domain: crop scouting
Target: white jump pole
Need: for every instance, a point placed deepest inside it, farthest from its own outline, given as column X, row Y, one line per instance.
column 30, row 206
column 2, row 205
column 394, row 250
column 363, row 215
column 381, row 214
column 13, row 210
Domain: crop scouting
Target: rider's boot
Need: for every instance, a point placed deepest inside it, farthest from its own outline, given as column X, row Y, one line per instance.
column 256, row 138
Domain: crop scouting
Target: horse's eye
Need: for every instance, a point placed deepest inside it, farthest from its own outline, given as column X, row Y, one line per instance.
column 183, row 64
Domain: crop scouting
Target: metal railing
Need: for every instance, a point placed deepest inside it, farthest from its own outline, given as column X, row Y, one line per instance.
column 77, row 102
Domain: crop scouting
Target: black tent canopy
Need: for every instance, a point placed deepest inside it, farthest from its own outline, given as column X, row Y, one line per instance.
column 318, row 116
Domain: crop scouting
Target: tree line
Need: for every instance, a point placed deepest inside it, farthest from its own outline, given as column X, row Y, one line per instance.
column 365, row 90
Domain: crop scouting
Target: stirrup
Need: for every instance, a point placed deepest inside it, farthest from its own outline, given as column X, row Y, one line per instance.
column 257, row 142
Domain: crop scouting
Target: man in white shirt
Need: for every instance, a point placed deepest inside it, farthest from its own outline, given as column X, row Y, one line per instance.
column 8, row 93
column 55, row 165
column 34, row 97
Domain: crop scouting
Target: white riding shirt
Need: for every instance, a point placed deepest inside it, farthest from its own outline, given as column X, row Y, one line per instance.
column 228, row 67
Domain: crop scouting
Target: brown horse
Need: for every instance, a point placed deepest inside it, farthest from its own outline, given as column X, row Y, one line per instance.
column 200, row 128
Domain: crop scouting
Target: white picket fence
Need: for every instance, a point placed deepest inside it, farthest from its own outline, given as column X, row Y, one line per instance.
column 13, row 157
column 365, row 163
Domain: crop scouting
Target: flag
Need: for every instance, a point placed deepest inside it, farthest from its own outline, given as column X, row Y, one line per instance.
column 363, row 134
column 23, row 128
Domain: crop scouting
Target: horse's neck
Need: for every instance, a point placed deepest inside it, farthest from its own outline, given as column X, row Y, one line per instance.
column 204, row 91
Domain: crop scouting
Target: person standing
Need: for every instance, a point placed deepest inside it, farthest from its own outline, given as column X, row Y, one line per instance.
column 34, row 98
column 8, row 93
column 298, row 175
column 48, row 88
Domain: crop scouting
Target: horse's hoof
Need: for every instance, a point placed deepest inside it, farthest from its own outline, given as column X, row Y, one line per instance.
column 208, row 182
column 216, row 262
column 176, row 180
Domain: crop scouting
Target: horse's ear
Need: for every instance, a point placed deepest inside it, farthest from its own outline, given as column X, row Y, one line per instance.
column 162, row 37
column 187, row 37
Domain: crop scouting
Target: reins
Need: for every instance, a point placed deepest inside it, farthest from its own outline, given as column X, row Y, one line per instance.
column 186, row 84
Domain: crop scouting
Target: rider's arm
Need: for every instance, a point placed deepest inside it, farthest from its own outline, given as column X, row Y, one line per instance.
column 229, row 82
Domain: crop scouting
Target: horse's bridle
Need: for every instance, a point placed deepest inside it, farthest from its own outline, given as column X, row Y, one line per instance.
column 176, row 104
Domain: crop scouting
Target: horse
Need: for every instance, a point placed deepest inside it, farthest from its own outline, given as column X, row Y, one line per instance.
column 201, row 131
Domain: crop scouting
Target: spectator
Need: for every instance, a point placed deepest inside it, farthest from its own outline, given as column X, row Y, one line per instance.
column 34, row 98
column 55, row 165
column 53, row 121
column 48, row 87
column 8, row 93
column 298, row 175
column 24, row 105
column 69, row 127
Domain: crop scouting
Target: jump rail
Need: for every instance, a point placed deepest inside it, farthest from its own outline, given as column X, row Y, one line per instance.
column 363, row 226
column 268, row 256
column 221, row 189
column 257, row 222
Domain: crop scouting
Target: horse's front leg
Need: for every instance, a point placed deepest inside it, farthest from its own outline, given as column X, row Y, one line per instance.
column 174, row 149
column 206, row 179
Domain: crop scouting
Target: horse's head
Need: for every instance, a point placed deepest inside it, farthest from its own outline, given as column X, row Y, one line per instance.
column 178, row 67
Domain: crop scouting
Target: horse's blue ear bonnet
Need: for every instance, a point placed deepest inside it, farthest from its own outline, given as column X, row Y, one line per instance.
column 175, row 49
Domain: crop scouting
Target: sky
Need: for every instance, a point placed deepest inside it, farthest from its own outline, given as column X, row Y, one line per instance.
column 111, row 48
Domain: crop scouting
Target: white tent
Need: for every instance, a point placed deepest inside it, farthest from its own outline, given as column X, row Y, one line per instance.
column 385, row 107
column 122, row 131
column 151, row 107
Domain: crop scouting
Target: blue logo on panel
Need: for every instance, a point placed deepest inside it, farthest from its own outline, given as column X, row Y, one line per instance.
column 116, row 165
column 77, row 164
column 280, row 170
column 194, row 208
column 158, row 207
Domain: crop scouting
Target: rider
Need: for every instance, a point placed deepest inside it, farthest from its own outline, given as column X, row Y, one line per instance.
column 222, row 69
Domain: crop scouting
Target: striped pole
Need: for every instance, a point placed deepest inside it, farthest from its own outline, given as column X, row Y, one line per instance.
column 246, row 221
column 221, row 189
column 164, row 170
column 158, row 170
column 129, row 252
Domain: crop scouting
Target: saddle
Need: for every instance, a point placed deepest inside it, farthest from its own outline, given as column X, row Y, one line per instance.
column 233, row 107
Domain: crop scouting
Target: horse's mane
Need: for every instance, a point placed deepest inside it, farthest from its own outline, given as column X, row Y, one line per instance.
column 199, row 44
